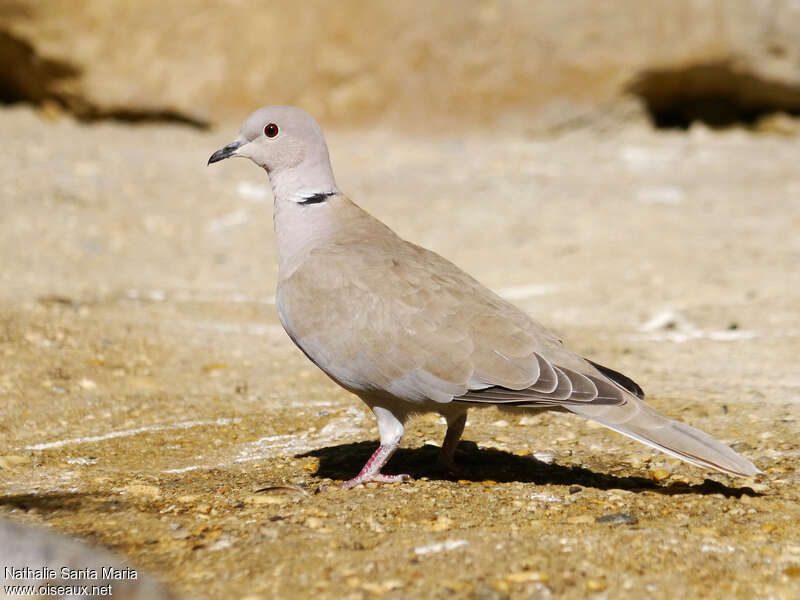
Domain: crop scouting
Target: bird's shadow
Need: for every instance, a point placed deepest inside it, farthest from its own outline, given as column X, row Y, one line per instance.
column 482, row 464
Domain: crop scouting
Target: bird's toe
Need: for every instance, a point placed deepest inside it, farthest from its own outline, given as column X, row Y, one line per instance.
column 377, row 478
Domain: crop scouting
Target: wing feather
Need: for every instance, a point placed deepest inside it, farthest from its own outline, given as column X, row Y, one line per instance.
column 548, row 379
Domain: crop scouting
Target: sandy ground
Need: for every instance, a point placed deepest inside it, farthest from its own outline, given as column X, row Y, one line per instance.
column 152, row 404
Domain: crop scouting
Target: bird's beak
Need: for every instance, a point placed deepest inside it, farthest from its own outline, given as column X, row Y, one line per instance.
column 226, row 152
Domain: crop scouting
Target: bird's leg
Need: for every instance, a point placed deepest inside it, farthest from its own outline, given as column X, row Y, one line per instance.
column 391, row 430
column 455, row 427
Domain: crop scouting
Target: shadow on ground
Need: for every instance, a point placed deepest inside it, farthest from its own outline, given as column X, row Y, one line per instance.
column 52, row 502
column 481, row 464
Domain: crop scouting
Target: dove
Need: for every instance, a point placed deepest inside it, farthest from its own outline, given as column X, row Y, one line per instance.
column 409, row 332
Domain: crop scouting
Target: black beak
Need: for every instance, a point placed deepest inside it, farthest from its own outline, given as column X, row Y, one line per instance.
column 225, row 152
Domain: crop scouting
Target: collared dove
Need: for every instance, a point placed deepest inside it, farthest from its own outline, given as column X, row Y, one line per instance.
column 408, row 332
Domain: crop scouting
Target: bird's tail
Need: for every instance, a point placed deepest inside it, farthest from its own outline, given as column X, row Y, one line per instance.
column 641, row 422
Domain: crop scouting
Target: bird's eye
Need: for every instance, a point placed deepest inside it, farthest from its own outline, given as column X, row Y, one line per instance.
column 271, row 130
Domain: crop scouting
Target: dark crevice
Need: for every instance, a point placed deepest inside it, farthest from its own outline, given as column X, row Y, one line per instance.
column 140, row 115
column 29, row 78
column 26, row 76
column 717, row 94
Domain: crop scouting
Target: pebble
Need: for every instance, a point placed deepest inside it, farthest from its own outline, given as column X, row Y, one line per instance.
column 269, row 499
column 440, row 547
column 87, row 384
column 618, row 519
column 220, row 545
column 501, row 585
column 526, row 576
column 635, row 460
column 545, row 497
column 579, row 520
column 442, row 524
column 595, row 585
column 659, row 474
column 381, row 588
column 545, row 457
column 140, row 489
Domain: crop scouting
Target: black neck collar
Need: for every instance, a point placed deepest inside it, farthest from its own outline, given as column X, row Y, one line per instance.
column 317, row 198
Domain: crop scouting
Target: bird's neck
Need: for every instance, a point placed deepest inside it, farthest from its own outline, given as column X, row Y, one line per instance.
column 300, row 226
column 303, row 213
column 332, row 219
column 308, row 179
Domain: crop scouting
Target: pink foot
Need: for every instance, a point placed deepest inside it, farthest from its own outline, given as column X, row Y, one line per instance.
column 390, row 428
column 377, row 477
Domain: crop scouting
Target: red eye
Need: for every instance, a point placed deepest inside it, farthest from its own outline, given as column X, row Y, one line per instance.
column 271, row 130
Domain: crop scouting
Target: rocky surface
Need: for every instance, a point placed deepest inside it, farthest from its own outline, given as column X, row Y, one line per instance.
column 416, row 63
column 152, row 404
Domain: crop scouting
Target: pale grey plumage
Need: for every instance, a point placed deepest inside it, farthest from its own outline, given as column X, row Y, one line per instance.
column 408, row 331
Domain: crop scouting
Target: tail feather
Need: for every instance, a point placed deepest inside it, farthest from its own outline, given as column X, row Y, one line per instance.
column 643, row 423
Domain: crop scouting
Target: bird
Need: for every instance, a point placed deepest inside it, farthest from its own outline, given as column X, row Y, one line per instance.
column 409, row 332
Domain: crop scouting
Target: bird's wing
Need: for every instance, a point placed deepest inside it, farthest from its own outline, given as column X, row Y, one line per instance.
column 381, row 314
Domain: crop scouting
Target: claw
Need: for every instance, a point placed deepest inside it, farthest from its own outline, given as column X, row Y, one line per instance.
column 377, row 477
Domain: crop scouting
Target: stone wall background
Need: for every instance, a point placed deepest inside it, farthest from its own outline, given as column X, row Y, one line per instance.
column 421, row 64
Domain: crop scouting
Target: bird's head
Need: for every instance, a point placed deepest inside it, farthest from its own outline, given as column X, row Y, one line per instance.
column 288, row 143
